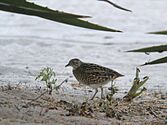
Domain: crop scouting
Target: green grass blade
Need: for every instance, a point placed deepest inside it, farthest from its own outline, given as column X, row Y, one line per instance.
column 160, row 48
column 16, row 5
column 115, row 5
column 27, row 8
column 158, row 61
column 159, row 32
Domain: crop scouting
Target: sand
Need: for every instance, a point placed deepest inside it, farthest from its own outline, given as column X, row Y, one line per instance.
column 17, row 108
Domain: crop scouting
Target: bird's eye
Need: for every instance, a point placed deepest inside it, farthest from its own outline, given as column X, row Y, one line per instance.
column 75, row 62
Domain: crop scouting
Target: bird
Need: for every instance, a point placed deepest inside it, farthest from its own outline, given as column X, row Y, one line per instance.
column 92, row 75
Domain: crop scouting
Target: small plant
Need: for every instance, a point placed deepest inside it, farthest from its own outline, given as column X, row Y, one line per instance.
column 137, row 83
column 47, row 75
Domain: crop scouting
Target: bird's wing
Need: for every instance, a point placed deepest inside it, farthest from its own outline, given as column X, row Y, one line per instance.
column 97, row 77
column 103, row 71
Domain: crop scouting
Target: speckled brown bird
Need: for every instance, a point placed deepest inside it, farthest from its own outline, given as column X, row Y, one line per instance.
column 92, row 75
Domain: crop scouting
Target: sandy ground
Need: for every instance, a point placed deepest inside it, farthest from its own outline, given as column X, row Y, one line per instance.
column 28, row 44
column 17, row 108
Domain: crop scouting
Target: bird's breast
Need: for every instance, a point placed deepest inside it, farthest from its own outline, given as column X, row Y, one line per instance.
column 78, row 75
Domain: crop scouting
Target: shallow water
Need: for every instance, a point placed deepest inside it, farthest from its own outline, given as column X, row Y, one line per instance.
column 28, row 44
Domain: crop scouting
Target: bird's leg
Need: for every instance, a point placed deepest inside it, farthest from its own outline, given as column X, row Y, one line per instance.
column 102, row 95
column 96, row 90
column 113, row 88
column 111, row 84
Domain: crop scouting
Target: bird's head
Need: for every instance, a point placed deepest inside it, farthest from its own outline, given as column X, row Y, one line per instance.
column 75, row 63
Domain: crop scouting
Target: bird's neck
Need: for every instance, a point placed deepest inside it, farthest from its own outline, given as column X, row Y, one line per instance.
column 75, row 68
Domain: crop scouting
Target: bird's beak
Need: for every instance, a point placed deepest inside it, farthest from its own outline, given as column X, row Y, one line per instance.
column 67, row 65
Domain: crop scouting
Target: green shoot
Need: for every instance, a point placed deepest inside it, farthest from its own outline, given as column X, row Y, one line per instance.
column 47, row 75
column 137, row 83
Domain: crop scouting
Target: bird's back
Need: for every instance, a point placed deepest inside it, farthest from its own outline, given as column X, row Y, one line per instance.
column 89, row 73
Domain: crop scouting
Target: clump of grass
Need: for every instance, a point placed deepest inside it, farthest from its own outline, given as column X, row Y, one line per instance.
column 47, row 75
column 135, row 89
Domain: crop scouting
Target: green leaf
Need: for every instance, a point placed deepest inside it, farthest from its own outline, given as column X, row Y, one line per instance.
column 115, row 5
column 31, row 9
column 17, row 5
column 159, row 32
column 158, row 61
column 159, row 48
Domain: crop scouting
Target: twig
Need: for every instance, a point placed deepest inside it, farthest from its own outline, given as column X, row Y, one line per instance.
column 37, row 97
column 46, row 92
column 64, row 81
column 26, row 105
column 152, row 112
column 17, row 108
